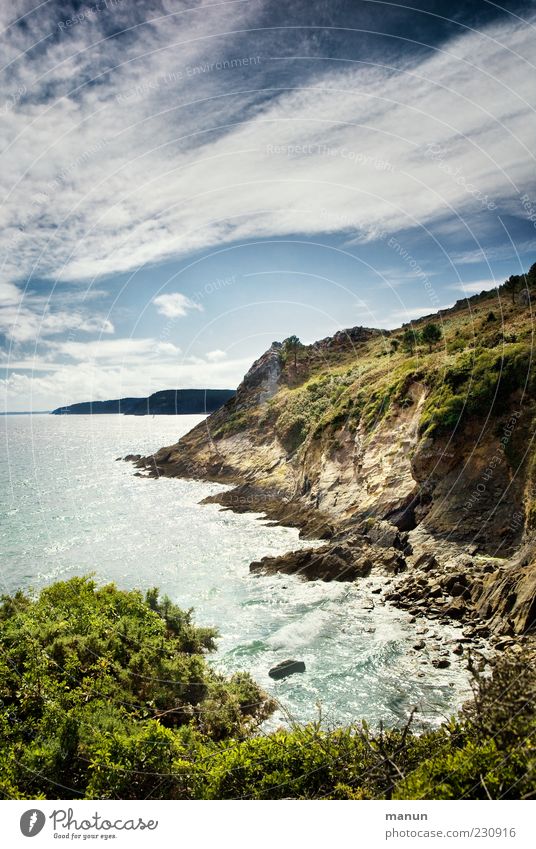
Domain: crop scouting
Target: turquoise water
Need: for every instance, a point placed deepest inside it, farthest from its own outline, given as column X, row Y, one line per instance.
column 68, row 508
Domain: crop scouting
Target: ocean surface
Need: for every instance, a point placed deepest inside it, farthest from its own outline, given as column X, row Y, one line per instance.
column 68, row 508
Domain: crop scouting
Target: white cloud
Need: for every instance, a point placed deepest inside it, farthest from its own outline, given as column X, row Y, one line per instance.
column 216, row 356
column 476, row 286
column 118, row 350
column 124, row 172
column 175, row 305
column 9, row 294
column 115, row 377
column 31, row 322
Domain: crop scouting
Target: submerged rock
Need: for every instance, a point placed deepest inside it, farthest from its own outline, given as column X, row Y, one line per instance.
column 286, row 668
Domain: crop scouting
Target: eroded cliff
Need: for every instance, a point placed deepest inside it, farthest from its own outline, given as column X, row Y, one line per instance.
column 415, row 458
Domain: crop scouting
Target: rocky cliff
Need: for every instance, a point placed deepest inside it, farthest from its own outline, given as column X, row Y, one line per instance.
column 409, row 458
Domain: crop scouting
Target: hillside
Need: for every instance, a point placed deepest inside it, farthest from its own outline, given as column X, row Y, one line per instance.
column 168, row 402
column 408, row 452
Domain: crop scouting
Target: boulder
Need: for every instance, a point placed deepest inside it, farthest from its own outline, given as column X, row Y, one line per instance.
column 286, row 668
column 441, row 663
column 384, row 535
column 456, row 610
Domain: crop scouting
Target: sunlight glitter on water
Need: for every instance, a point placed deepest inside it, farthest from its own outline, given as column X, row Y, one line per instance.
column 69, row 509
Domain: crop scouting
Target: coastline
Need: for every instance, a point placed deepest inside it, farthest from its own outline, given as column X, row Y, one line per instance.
column 370, row 551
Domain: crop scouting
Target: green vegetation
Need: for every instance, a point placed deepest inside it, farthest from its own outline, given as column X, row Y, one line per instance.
column 100, row 687
column 431, row 334
column 107, row 694
column 409, row 340
column 512, row 285
column 475, row 383
column 485, row 355
column 291, row 346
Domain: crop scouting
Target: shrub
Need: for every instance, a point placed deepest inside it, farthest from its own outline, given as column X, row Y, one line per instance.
column 474, row 384
column 89, row 676
column 90, row 734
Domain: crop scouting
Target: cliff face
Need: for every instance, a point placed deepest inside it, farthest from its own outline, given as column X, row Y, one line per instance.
column 424, row 453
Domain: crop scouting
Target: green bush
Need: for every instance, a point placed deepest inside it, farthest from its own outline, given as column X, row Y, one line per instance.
column 98, row 702
column 89, row 676
column 476, row 383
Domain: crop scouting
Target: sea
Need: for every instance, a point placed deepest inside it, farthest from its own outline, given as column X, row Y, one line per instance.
column 69, row 507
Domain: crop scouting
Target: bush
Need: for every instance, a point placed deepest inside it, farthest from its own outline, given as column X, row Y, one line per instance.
column 90, row 676
column 94, row 726
column 475, row 383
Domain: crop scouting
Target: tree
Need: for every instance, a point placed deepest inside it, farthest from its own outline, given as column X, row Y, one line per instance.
column 291, row 346
column 394, row 345
column 531, row 276
column 409, row 340
column 512, row 284
column 431, row 334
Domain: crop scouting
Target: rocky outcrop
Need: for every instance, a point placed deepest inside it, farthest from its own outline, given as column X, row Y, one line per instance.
column 439, row 511
column 262, row 380
column 508, row 596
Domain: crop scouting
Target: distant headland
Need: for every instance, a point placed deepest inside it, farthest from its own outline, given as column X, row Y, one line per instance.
column 168, row 402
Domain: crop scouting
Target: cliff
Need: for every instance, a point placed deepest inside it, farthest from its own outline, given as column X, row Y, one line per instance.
column 412, row 458
column 169, row 402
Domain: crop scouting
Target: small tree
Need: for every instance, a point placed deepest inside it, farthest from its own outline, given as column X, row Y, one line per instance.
column 394, row 345
column 291, row 346
column 409, row 340
column 512, row 285
column 431, row 334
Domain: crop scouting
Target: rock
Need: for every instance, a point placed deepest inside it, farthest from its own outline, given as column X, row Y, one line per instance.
column 393, row 596
column 132, row 458
column 419, row 645
column 458, row 649
column 368, row 604
column 441, row 663
column 384, row 535
column 503, row 644
column 459, row 590
column 456, row 610
column 286, row 668
column 453, row 581
column 508, row 597
column 326, row 563
column 426, row 562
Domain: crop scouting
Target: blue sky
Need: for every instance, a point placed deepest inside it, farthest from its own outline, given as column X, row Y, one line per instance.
column 183, row 183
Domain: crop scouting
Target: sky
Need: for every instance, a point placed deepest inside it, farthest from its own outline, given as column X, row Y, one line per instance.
column 183, row 183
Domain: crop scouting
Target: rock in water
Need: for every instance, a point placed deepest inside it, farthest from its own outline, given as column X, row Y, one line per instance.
column 285, row 668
